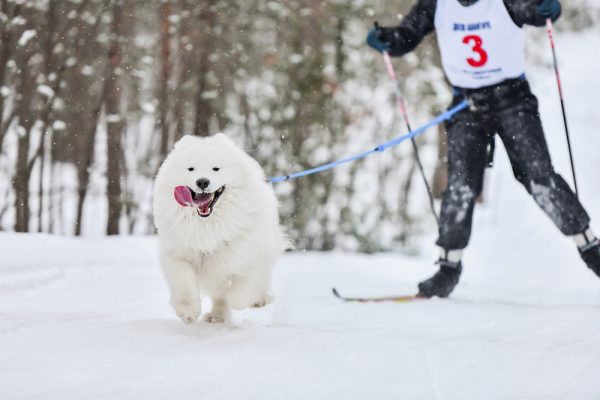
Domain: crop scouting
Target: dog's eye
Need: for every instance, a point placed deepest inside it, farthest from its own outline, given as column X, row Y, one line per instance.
column 216, row 168
column 190, row 168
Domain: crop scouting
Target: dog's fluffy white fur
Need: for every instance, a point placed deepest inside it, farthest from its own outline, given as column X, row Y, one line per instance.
column 229, row 254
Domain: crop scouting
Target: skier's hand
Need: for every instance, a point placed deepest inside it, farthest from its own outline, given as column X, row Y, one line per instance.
column 380, row 38
column 549, row 9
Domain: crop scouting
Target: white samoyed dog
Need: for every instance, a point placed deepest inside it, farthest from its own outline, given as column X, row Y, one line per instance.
column 218, row 227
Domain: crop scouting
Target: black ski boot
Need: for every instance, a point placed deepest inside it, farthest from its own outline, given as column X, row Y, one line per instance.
column 443, row 282
column 591, row 255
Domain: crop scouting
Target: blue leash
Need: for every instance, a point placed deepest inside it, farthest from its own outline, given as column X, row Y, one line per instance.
column 380, row 148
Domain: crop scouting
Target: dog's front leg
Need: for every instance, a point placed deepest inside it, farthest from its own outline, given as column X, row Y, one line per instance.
column 182, row 280
column 220, row 311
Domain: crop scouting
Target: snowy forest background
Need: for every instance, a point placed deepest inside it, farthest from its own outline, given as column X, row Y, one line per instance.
column 93, row 93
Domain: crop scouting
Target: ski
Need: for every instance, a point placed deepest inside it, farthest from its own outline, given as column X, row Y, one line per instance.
column 381, row 299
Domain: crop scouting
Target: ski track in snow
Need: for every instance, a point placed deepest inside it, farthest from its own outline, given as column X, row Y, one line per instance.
column 89, row 318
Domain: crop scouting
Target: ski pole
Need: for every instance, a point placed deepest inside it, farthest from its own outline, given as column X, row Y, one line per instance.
column 402, row 106
column 562, row 102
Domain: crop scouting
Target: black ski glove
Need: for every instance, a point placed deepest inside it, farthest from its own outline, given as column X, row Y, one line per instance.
column 380, row 38
column 549, row 9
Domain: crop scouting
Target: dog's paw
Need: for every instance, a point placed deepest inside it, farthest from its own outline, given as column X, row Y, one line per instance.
column 214, row 318
column 263, row 301
column 187, row 312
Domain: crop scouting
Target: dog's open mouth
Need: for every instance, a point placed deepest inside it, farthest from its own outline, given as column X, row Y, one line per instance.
column 204, row 202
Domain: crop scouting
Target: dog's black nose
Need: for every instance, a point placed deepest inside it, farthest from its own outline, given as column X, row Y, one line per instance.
column 202, row 183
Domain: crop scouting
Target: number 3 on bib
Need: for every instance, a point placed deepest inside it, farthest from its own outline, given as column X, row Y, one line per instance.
column 475, row 42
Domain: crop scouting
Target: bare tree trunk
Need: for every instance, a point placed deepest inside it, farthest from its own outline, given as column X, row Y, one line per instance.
column 165, row 71
column 21, row 178
column 183, row 63
column 204, row 107
column 83, row 172
column 114, row 122
column 4, row 56
column 41, row 185
column 21, row 184
column 52, row 200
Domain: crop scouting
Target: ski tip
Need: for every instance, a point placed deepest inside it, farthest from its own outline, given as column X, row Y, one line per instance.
column 336, row 293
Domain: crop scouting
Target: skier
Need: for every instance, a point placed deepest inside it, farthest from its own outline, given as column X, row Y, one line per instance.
column 482, row 49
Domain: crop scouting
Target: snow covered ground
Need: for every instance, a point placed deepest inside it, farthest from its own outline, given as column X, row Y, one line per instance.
column 89, row 318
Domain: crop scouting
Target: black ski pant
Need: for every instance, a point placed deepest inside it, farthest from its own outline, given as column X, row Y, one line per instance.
column 510, row 111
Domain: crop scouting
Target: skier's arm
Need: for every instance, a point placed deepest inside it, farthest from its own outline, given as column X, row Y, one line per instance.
column 533, row 12
column 405, row 37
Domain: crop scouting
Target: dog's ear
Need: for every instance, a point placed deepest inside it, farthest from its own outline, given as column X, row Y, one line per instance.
column 224, row 138
column 185, row 141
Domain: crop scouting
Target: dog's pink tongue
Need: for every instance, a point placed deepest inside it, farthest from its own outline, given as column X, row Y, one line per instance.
column 183, row 196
